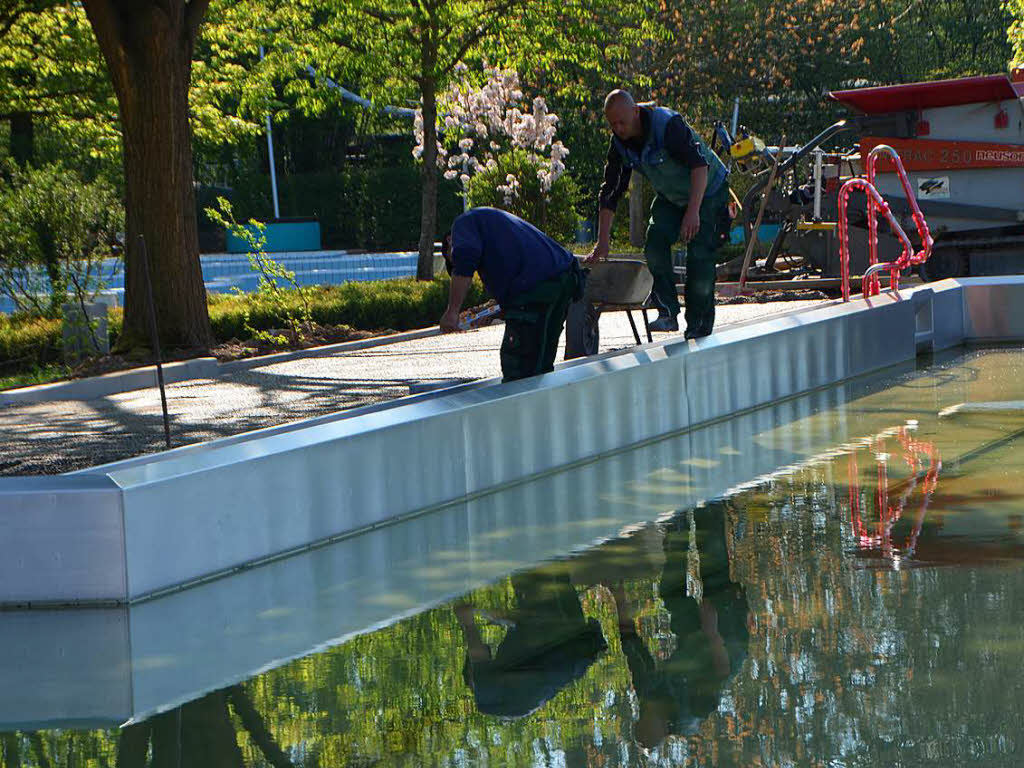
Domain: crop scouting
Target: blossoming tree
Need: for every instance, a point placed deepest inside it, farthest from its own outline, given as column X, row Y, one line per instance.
column 480, row 127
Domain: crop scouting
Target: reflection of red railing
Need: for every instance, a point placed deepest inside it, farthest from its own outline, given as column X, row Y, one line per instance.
column 876, row 204
column 888, row 513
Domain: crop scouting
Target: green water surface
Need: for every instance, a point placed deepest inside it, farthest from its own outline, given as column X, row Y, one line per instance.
column 862, row 607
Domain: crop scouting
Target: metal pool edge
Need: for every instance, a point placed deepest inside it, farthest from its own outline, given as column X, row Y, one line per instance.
column 130, row 529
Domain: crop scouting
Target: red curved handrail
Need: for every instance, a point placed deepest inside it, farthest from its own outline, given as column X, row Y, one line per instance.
column 889, row 514
column 877, row 204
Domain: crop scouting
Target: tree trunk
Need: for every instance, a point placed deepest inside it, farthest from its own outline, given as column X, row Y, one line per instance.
column 428, row 177
column 11, row 751
column 253, row 722
column 637, row 229
column 133, row 745
column 22, row 141
column 148, row 49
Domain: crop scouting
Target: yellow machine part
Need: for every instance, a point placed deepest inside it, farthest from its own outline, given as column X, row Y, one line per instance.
column 815, row 226
column 746, row 147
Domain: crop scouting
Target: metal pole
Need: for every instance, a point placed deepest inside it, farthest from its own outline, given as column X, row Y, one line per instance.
column 757, row 223
column 819, row 156
column 270, row 154
column 154, row 333
column 735, row 117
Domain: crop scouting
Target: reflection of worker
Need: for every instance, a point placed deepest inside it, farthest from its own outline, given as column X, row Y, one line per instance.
column 532, row 277
column 549, row 644
column 711, row 632
column 690, row 204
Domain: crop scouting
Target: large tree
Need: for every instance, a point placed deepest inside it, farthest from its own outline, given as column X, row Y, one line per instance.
column 412, row 47
column 148, row 47
column 52, row 75
column 782, row 58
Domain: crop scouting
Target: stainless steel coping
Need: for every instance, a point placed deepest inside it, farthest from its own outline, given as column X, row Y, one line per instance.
column 129, row 530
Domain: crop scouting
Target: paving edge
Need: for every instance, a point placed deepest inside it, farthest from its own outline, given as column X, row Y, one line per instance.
column 183, row 370
column 330, row 349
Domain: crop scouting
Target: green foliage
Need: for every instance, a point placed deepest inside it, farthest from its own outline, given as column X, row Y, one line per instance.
column 40, row 375
column 53, row 85
column 30, row 343
column 274, row 279
column 782, row 58
column 55, row 235
column 27, row 342
column 1015, row 34
column 554, row 213
column 371, row 207
column 398, row 305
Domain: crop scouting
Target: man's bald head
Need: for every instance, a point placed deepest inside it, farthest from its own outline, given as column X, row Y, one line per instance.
column 623, row 115
column 617, row 97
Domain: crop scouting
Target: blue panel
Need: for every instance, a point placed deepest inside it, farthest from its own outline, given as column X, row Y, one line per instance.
column 281, row 236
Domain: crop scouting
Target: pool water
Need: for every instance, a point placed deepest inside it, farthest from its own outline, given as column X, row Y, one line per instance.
column 230, row 272
column 862, row 605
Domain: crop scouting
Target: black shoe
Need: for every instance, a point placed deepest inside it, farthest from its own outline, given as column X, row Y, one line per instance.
column 664, row 323
column 696, row 333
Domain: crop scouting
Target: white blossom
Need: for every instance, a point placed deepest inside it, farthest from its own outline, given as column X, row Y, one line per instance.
column 478, row 123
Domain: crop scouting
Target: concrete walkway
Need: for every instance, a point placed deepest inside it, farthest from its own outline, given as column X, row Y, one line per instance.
column 60, row 436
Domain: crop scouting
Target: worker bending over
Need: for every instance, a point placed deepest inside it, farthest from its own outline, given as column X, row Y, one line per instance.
column 532, row 277
column 690, row 204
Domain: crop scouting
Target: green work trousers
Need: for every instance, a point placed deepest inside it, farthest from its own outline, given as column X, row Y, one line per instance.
column 533, row 324
column 662, row 233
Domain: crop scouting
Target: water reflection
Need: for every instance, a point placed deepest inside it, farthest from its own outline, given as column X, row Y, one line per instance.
column 548, row 644
column 737, row 633
column 708, row 618
column 800, row 621
column 891, row 502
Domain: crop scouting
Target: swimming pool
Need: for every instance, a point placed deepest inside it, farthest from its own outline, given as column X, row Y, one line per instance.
column 857, row 605
column 224, row 272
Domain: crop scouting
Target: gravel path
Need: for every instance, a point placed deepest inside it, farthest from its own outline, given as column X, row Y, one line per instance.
column 59, row 436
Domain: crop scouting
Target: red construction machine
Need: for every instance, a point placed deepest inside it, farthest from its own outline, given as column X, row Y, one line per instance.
column 962, row 144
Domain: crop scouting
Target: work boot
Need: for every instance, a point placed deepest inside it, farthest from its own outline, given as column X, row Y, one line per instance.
column 665, row 323
column 696, row 333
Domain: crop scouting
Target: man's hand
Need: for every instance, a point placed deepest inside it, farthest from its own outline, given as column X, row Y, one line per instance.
column 600, row 253
column 450, row 321
column 691, row 224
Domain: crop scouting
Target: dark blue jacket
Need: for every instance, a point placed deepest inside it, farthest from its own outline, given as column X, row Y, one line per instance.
column 511, row 255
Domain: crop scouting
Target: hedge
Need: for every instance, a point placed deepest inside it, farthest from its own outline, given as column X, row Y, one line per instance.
column 28, row 343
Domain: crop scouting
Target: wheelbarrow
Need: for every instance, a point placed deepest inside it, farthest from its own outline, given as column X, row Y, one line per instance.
column 613, row 285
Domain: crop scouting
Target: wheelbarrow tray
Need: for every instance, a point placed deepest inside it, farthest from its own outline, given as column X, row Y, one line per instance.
column 619, row 282
column 612, row 285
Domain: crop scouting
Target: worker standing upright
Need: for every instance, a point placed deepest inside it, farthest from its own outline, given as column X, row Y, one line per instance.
column 691, row 204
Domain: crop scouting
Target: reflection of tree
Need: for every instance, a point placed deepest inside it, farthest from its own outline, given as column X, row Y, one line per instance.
column 199, row 733
column 833, row 663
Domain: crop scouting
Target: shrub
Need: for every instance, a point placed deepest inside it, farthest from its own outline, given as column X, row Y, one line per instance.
column 26, row 342
column 398, row 305
column 31, row 343
column 371, row 207
column 555, row 213
column 54, row 236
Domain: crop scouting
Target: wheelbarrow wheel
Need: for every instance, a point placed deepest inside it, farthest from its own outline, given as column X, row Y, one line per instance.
column 582, row 335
